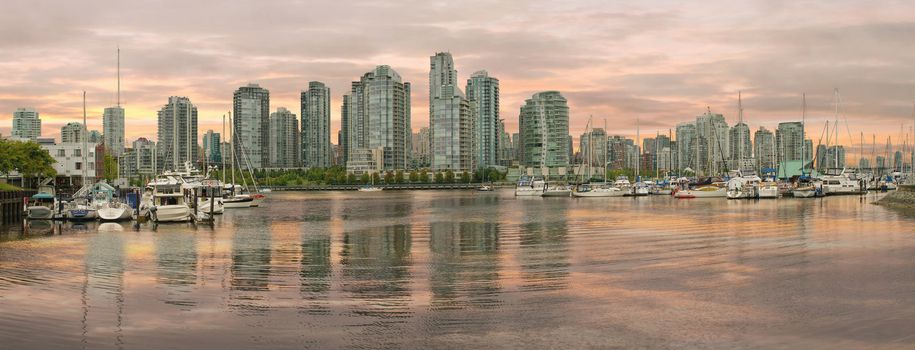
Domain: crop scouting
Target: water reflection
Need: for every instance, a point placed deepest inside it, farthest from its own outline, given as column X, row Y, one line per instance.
column 102, row 296
column 544, row 251
column 316, row 273
column 176, row 266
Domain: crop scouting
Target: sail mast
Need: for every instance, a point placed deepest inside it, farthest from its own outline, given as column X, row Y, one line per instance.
column 85, row 135
column 803, row 135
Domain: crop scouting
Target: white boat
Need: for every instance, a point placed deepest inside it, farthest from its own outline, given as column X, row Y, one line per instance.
column 640, row 189
column 597, row 190
column 106, row 204
column 42, row 205
column 557, row 191
column 165, row 201
column 529, row 187
column 370, row 189
column 622, row 182
column 838, row 182
column 743, row 185
column 485, row 188
column 81, row 209
column 716, row 190
column 209, row 195
column 767, row 189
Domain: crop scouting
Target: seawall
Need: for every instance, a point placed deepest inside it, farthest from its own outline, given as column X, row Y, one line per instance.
column 903, row 197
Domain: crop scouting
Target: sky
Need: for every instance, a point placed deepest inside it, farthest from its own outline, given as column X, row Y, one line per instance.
column 658, row 62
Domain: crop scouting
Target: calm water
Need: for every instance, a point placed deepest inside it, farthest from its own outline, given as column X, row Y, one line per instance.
column 470, row 270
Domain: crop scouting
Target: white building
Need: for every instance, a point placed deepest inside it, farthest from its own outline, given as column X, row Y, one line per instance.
column 72, row 133
column 70, row 160
column 252, row 125
column 177, row 133
column 26, row 124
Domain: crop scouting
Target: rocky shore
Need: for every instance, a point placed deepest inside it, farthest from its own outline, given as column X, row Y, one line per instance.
column 904, row 197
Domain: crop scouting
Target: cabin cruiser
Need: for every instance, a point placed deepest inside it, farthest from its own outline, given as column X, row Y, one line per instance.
column 164, row 201
column 597, row 190
column 41, row 206
column 767, row 189
column 557, row 190
column 838, row 182
column 622, row 182
column 715, row 190
column 641, row 188
column 529, row 186
column 208, row 193
column 366, row 188
column 743, row 185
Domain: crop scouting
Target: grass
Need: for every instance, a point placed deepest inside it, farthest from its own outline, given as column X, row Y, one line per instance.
column 8, row 187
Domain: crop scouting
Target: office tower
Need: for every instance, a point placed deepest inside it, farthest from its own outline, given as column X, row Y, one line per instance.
column 113, row 130
column 739, row 141
column 790, row 143
column 251, row 123
column 712, row 134
column 451, row 119
column 687, row 144
column 835, row 157
column 284, row 139
column 212, row 150
column 764, row 149
column 593, row 148
column 316, row 149
column 141, row 160
column 377, row 117
column 544, row 126
column 483, row 93
column 26, row 124
column 177, row 134
column 506, row 150
column 72, row 132
column 421, row 148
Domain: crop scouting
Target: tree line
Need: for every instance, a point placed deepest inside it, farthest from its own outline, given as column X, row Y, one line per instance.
column 28, row 159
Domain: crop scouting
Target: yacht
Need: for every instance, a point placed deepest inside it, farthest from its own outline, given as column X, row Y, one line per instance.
column 838, row 182
column 622, row 182
column 743, row 185
column 807, row 188
column 234, row 198
column 107, row 206
column 715, row 190
column 557, row 190
column 767, row 189
column 209, row 196
column 81, row 209
column 366, row 188
column 597, row 190
column 529, row 186
column 641, row 188
column 42, row 205
column 165, row 201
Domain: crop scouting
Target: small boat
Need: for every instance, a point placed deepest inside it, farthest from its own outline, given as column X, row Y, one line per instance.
column 597, row 190
column 107, row 206
column 529, row 187
column 743, row 185
column 557, row 191
column 767, row 189
column 41, row 206
column 839, row 182
column 640, row 189
column 485, row 188
column 370, row 189
column 715, row 190
column 80, row 209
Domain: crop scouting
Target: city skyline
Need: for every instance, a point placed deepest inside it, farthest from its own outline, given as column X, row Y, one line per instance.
column 672, row 68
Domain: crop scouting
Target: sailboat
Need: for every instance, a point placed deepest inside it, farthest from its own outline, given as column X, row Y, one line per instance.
column 108, row 207
column 235, row 195
column 370, row 188
column 601, row 189
column 80, row 208
column 806, row 187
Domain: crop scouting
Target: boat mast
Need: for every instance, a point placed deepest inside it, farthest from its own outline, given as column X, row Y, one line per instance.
column 638, row 150
column 222, row 156
column 607, row 150
column 803, row 135
column 836, row 151
column 85, row 135
column 739, row 121
column 234, row 160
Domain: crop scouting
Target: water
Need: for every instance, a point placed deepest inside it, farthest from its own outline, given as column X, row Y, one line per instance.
column 468, row 270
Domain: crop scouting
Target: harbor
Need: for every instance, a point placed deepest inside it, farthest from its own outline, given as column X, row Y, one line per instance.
column 458, row 269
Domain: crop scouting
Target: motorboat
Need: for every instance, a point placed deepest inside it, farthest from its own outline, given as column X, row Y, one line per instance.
column 485, row 188
column 622, row 182
column 41, row 206
column 529, row 186
column 743, row 185
column 839, row 182
column 557, row 190
column 597, row 190
column 715, row 190
column 367, row 188
column 640, row 189
column 767, row 189
column 165, row 201
column 208, row 193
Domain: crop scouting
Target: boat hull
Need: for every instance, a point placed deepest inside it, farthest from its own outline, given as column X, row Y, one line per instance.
column 688, row 194
column 804, row 193
column 39, row 213
column 237, row 202
column 171, row 213
column 559, row 193
column 82, row 214
column 115, row 214
column 598, row 193
column 528, row 192
column 203, row 205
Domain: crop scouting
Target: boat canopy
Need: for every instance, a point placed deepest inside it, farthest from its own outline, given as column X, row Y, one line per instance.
column 43, row 196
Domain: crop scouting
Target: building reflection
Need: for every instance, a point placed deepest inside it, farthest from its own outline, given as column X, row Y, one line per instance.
column 251, row 264
column 176, row 265
column 464, row 264
column 315, row 273
column 102, row 295
column 544, row 251
column 375, row 267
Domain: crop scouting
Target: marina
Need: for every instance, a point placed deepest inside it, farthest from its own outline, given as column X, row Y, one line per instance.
column 459, row 269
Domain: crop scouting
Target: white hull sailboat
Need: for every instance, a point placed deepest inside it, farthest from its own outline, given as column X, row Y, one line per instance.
column 711, row 191
column 115, row 211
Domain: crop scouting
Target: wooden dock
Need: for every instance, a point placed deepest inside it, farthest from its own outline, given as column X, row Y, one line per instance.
column 12, row 207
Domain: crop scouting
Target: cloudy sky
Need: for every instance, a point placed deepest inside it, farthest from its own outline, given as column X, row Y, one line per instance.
column 660, row 61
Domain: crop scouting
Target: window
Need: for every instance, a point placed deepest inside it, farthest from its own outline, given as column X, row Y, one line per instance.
column 77, row 152
column 61, row 153
column 79, row 166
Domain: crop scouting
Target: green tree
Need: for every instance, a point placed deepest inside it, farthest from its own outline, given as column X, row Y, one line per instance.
column 376, row 178
column 398, row 177
column 465, row 177
column 389, row 177
column 365, row 178
column 449, row 176
column 28, row 158
column 351, row 178
column 439, row 177
column 414, row 177
column 423, row 176
column 110, row 168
